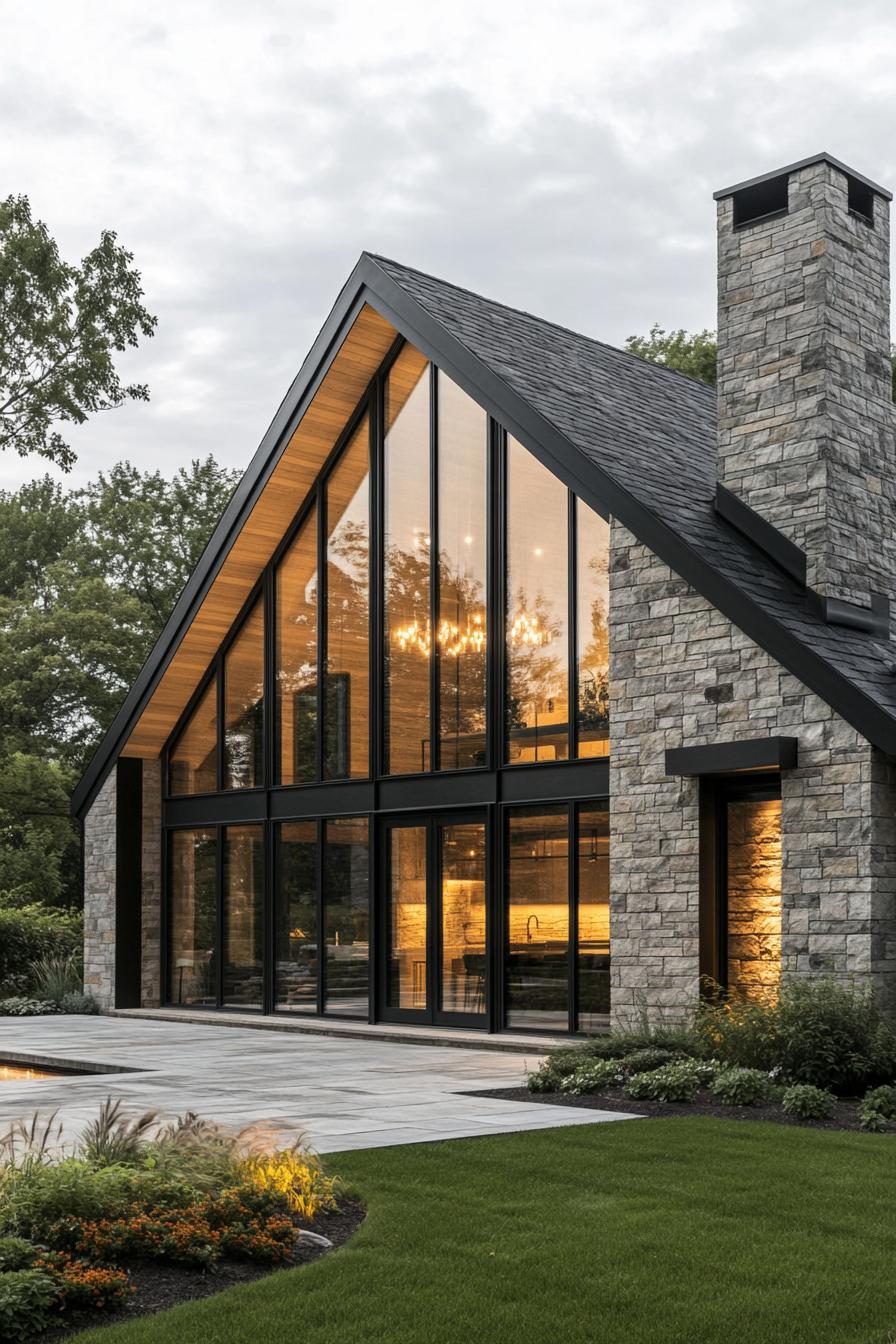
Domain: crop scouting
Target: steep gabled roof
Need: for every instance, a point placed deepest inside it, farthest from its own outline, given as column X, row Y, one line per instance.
column 633, row 439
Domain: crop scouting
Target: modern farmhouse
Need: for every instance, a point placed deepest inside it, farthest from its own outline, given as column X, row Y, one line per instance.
column 525, row 682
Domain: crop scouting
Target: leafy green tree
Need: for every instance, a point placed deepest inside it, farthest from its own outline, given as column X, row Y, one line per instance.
column 693, row 353
column 61, row 328
column 87, row 581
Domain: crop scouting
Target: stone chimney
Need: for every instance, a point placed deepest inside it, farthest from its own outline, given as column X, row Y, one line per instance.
column 806, row 420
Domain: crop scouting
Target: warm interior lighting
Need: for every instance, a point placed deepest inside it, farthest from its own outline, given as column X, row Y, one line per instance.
column 754, row 897
column 525, row 632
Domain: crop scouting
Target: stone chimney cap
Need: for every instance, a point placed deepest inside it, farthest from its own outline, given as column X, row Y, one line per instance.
column 823, row 157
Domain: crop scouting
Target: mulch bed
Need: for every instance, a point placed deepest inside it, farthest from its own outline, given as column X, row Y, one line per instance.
column 160, row 1285
column 844, row 1114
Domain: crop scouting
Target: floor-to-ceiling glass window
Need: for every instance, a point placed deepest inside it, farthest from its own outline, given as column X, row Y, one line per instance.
column 592, row 631
column 464, row 513
column 242, row 916
column 537, row 616
column 192, row 917
column 407, row 918
column 244, row 704
column 406, row 543
column 193, row 760
column 347, row 915
column 462, row 894
column 536, row 972
column 347, row 680
column 296, row 656
column 593, row 916
column 295, row 916
column 461, row 645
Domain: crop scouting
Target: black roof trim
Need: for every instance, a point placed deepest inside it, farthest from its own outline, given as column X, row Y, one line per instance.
column 731, row 758
column 373, row 281
column 762, row 533
column 822, row 157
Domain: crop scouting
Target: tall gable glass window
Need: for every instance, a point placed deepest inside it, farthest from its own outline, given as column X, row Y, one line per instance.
column 462, row 542
column 592, row 634
column 296, row 656
column 537, row 614
column 244, row 705
column 347, row 681
column 193, row 760
column 406, row 545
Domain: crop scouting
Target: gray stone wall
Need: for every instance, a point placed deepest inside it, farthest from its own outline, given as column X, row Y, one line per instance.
column 681, row 673
column 150, row 989
column 99, row 895
column 806, row 421
column 99, row 890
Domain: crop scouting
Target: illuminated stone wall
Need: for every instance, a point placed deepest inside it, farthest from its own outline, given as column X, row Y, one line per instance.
column 753, row 863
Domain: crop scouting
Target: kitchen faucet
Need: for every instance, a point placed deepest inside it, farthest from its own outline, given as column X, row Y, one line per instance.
column 529, row 927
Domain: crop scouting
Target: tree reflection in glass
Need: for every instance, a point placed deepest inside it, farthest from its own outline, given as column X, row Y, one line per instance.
column 593, row 651
column 537, row 660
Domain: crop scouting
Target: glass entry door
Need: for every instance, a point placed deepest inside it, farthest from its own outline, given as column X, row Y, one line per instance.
column 433, row 878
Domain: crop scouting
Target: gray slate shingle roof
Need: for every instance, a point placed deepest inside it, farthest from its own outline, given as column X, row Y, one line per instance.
column 653, row 432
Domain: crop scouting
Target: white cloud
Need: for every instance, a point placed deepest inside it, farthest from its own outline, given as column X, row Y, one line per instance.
column 560, row 158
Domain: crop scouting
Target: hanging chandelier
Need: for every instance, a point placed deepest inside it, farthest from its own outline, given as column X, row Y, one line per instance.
column 454, row 641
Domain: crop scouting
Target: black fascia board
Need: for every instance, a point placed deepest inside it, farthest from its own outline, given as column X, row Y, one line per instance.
column 370, row 284
column 729, row 758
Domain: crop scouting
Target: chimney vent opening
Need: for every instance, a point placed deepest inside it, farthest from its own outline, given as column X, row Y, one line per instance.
column 860, row 200
column 763, row 200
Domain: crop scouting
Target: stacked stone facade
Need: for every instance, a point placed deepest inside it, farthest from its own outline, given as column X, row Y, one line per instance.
column 100, row 870
column 151, row 886
column 682, row 673
column 99, row 895
column 806, row 423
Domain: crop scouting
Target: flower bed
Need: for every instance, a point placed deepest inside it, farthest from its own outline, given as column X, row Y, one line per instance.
column 139, row 1214
column 819, row 1053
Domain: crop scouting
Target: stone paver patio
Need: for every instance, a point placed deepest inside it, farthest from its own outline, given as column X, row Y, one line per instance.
column 343, row 1093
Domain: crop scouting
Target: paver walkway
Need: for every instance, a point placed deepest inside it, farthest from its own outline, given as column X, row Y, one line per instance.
column 342, row 1093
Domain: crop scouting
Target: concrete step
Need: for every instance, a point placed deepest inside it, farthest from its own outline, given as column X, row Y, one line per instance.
column 460, row 1039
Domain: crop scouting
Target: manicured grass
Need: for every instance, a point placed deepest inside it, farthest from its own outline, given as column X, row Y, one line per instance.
column 685, row 1231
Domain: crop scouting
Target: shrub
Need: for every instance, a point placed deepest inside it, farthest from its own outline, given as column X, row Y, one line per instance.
column 877, row 1109
column 648, row 1058
column 15, row 1253
column 680, row 1081
column 27, row 1297
column 40, row 1197
column 741, row 1087
column 56, row 974
column 817, row 1031
column 81, row 1286
column 806, row 1102
column 294, row 1176
column 21, row 1006
column 675, row 1040
column 112, row 1139
column 29, row 933
column 559, row 1064
column 595, row 1076
column 78, row 1002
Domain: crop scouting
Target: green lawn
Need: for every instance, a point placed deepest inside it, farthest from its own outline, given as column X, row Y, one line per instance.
column 686, row 1231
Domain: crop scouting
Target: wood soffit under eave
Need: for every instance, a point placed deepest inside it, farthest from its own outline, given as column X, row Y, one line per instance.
column 363, row 350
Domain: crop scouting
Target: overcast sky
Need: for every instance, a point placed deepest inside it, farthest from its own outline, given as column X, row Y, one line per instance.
column 559, row 157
